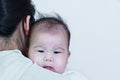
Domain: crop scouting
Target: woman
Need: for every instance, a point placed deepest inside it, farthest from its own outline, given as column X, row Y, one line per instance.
column 16, row 16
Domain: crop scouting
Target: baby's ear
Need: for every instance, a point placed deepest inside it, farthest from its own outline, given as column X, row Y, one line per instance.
column 69, row 53
column 26, row 24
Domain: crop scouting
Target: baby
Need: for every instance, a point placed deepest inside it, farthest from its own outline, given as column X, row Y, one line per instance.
column 49, row 42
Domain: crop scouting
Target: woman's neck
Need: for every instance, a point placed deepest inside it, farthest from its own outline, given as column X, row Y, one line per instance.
column 7, row 44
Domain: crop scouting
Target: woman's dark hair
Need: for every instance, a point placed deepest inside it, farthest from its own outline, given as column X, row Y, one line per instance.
column 12, row 12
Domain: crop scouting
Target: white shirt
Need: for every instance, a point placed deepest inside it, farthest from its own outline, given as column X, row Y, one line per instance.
column 74, row 75
column 14, row 66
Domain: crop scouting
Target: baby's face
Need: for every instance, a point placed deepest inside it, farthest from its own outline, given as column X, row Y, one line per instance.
column 49, row 50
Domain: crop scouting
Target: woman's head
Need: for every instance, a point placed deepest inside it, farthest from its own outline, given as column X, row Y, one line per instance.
column 11, row 13
column 15, row 16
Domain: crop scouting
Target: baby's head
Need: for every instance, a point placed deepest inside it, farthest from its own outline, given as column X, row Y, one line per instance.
column 49, row 43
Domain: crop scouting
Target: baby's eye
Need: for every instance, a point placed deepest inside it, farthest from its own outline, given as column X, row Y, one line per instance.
column 41, row 51
column 57, row 52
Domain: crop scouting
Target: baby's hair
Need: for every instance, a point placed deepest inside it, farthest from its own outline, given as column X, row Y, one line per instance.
column 51, row 21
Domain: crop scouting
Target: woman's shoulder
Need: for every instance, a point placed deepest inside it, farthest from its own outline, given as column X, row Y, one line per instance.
column 74, row 75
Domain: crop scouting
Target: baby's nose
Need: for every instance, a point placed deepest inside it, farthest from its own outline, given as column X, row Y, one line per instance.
column 48, row 58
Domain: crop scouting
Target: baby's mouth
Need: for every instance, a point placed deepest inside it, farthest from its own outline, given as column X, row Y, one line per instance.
column 49, row 68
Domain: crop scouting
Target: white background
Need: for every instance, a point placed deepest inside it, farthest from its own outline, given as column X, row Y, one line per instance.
column 95, row 31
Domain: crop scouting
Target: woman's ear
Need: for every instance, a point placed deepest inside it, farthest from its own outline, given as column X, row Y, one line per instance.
column 26, row 24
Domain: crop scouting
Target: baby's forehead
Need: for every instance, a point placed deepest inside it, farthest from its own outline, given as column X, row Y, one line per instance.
column 43, row 26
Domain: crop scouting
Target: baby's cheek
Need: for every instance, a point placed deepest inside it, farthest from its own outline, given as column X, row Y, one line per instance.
column 38, row 61
column 61, row 67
